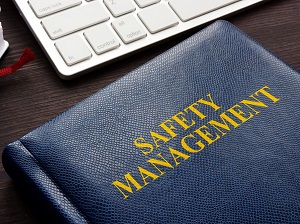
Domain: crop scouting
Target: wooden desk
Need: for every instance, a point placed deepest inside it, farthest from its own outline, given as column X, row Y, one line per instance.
column 35, row 94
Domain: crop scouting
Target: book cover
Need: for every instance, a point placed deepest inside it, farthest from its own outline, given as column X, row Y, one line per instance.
column 207, row 132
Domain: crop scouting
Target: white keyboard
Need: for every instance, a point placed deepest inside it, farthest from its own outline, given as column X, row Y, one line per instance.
column 81, row 35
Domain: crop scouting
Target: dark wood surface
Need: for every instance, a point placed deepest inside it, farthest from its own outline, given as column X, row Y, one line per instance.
column 35, row 94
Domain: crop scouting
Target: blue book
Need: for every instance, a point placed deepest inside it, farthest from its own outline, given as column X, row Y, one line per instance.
column 207, row 132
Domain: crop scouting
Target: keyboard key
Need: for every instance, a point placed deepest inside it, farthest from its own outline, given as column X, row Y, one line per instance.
column 46, row 7
column 189, row 9
column 144, row 3
column 71, row 54
column 101, row 39
column 119, row 7
column 74, row 19
column 129, row 29
column 164, row 18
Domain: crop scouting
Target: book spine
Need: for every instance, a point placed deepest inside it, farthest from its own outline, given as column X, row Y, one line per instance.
column 25, row 170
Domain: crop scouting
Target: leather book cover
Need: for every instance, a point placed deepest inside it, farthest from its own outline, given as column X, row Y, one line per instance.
column 207, row 132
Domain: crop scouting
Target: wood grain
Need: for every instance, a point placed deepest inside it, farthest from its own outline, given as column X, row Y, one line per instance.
column 35, row 94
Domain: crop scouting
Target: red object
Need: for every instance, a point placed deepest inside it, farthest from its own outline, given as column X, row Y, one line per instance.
column 26, row 57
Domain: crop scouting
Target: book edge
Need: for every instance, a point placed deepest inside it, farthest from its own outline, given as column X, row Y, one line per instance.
column 27, row 173
column 258, row 44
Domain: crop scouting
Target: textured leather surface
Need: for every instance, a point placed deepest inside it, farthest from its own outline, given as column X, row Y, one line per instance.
column 249, row 175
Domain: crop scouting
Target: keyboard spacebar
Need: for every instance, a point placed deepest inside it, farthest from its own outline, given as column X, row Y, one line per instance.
column 189, row 9
column 74, row 19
